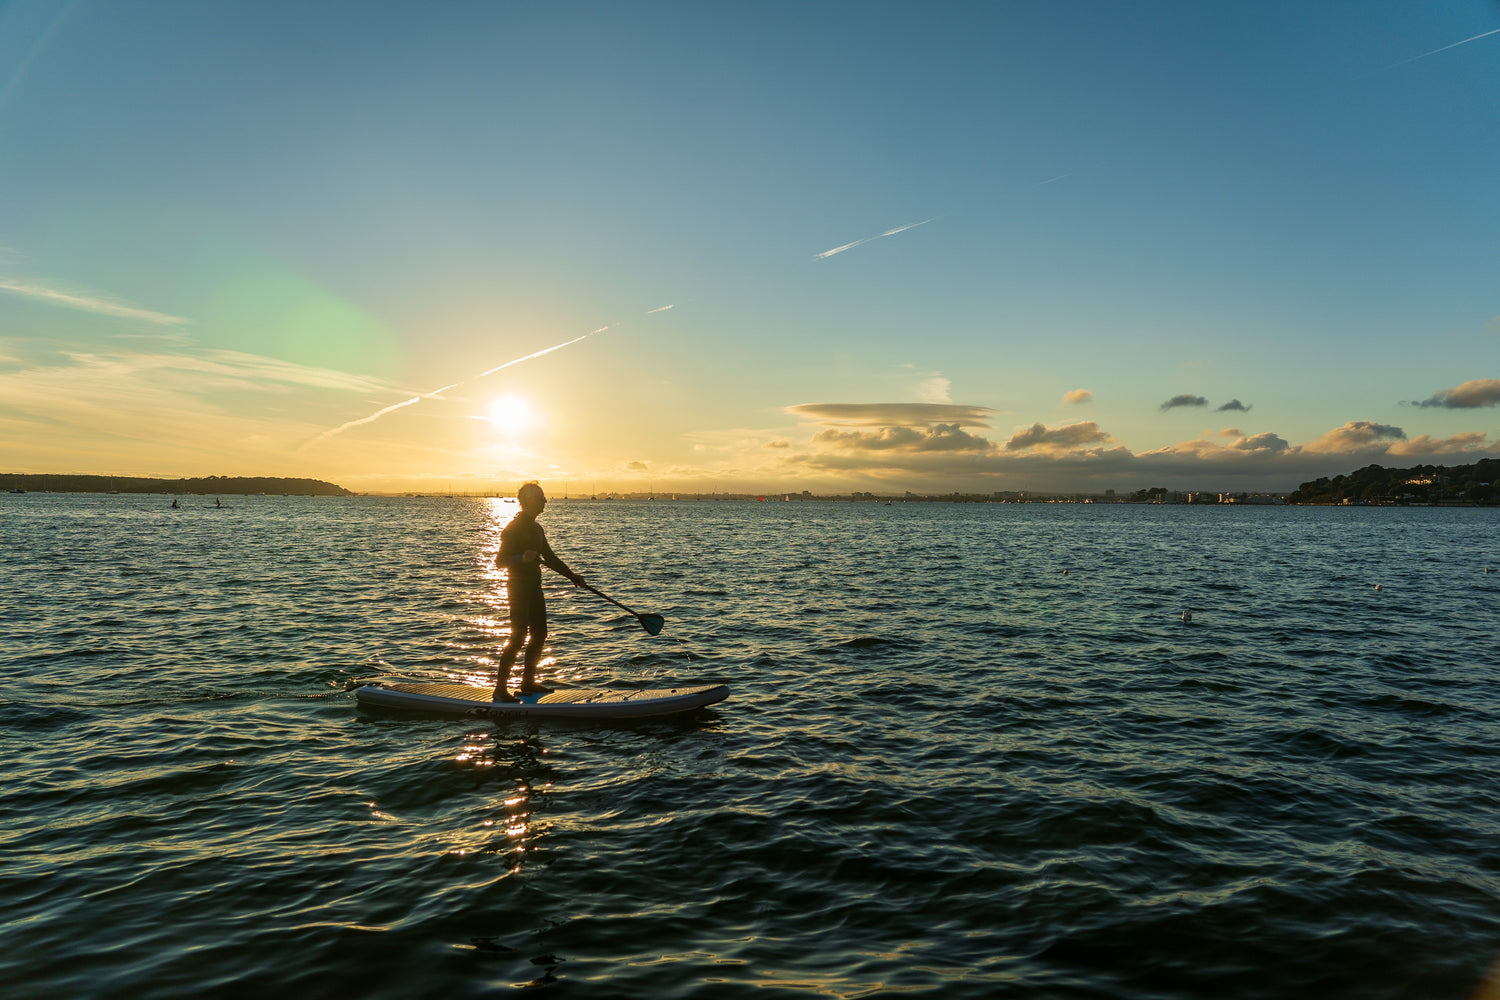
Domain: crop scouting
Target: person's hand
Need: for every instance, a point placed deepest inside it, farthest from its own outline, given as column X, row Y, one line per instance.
column 578, row 580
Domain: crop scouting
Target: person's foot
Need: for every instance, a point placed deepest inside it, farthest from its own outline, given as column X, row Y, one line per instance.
column 535, row 689
column 504, row 696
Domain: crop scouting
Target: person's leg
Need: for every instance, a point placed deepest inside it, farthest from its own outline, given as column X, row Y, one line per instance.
column 537, row 627
column 528, row 675
column 508, row 656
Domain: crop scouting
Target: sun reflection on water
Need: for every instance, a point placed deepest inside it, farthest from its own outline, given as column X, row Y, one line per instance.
column 505, row 825
column 478, row 667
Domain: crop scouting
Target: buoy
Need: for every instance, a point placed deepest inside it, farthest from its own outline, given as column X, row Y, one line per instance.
column 1377, row 586
column 1065, row 572
column 1187, row 616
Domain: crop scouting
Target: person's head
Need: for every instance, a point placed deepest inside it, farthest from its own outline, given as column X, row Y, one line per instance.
column 532, row 498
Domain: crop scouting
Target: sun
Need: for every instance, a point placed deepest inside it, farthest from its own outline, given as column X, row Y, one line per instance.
column 511, row 415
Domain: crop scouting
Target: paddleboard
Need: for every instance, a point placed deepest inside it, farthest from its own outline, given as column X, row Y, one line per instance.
column 568, row 703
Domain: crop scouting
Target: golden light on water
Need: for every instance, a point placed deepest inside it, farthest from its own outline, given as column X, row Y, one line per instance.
column 506, row 826
column 479, row 670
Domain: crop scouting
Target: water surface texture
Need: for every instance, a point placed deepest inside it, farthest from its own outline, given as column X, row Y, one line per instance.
column 970, row 750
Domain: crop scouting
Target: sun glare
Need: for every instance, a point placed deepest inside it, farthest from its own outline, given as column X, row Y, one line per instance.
column 511, row 415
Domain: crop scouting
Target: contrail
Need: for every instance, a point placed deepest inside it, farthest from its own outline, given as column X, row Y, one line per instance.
column 380, row 413
column 546, row 350
column 846, row 246
column 1445, row 48
column 428, row 395
column 902, row 229
column 850, row 246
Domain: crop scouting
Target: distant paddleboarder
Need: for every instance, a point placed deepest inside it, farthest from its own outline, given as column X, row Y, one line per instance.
column 523, row 552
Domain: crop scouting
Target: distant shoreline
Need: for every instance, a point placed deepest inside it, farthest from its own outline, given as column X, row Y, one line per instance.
column 778, row 498
column 1412, row 495
column 209, row 485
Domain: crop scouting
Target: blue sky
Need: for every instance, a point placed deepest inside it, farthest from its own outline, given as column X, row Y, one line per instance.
column 1202, row 246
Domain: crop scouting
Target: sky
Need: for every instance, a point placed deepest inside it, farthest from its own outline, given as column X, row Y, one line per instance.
column 749, row 247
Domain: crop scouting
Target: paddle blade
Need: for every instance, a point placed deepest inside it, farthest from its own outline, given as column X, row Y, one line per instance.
column 652, row 623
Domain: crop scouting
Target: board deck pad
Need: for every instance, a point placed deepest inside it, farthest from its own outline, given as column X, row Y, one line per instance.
column 565, row 703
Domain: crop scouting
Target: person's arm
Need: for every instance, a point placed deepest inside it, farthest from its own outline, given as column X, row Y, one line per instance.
column 551, row 560
column 512, row 551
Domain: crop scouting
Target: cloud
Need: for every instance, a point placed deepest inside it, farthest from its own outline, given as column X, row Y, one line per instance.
column 1238, row 450
column 86, row 303
column 1069, row 437
column 1470, row 395
column 212, row 371
column 1356, row 437
column 935, row 390
column 1076, row 456
column 910, row 446
column 1234, row 404
column 939, row 437
column 1264, row 442
column 1184, row 399
column 893, row 414
column 779, row 443
column 1078, row 396
column 256, row 368
column 1458, row 444
column 128, row 409
column 636, row 467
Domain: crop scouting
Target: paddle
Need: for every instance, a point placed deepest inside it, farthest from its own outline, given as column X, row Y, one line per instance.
column 651, row 623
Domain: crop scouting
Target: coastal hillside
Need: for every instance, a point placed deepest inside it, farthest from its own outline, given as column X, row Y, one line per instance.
column 217, row 485
column 1420, row 484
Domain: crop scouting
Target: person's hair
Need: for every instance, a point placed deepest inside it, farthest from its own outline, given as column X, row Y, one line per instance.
column 530, row 486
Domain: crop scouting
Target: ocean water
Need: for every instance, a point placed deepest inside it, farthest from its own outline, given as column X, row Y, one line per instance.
column 970, row 751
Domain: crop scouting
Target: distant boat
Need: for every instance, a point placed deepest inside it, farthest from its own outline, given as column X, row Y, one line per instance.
column 18, row 491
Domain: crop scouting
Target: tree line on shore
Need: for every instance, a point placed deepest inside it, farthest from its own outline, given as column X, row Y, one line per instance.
column 1420, row 484
column 218, row 485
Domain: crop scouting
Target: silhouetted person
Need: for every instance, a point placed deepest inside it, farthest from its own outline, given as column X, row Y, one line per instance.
column 523, row 552
column 175, row 504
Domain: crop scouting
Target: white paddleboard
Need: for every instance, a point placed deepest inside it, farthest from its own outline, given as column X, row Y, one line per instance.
column 568, row 703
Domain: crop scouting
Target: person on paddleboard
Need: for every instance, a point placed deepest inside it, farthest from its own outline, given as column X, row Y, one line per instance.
column 523, row 553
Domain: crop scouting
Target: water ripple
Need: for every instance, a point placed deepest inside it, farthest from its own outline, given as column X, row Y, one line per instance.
column 947, row 766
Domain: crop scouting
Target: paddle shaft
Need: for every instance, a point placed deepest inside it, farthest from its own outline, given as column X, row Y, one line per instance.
column 651, row 623
column 608, row 598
